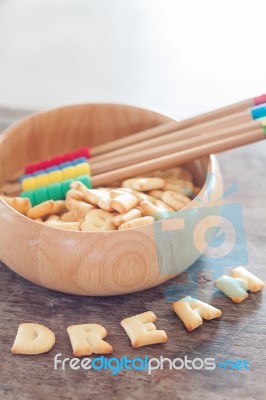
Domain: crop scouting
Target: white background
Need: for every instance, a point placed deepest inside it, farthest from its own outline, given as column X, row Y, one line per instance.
column 180, row 57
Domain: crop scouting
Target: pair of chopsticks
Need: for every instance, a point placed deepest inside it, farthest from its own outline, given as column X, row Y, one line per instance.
column 174, row 143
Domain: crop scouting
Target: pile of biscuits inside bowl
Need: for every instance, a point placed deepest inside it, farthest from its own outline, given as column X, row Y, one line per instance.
column 126, row 204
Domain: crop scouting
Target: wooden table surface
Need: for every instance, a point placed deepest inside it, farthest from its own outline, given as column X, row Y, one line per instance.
column 239, row 335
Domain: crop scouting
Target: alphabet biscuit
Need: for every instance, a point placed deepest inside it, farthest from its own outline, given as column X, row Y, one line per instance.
column 137, row 222
column 98, row 220
column 236, row 287
column 33, row 339
column 22, row 205
column 142, row 331
column 192, row 311
column 70, row 226
column 175, row 200
column 144, row 184
column 49, row 207
column 253, row 283
column 180, row 186
column 87, row 339
column 132, row 214
column 124, row 202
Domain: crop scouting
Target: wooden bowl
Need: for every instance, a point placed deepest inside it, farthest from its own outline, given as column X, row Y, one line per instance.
column 89, row 263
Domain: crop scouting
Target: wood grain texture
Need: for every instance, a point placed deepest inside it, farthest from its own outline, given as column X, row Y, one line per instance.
column 240, row 334
column 90, row 263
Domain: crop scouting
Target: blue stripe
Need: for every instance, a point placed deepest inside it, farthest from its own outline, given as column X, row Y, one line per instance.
column 258, row 111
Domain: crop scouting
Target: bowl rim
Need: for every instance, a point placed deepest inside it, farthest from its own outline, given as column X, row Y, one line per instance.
column 33, row 114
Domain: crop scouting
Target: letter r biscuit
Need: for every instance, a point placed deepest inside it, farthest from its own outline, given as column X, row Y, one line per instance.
column 87, row 339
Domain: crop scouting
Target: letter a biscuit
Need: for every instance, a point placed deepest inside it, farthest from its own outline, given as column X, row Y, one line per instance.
column 192, row 311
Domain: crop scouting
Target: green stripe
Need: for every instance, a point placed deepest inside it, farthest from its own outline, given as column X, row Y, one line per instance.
column 264, row 130
column 263, row 123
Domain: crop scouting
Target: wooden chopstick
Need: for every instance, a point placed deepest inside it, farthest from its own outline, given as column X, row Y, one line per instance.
column 215, row 124
column 176, row 158
column 173, row 125
column 173, row 147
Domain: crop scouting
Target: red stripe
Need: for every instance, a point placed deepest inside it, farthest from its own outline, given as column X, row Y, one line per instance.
column 259, row 100
column 30, row 168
